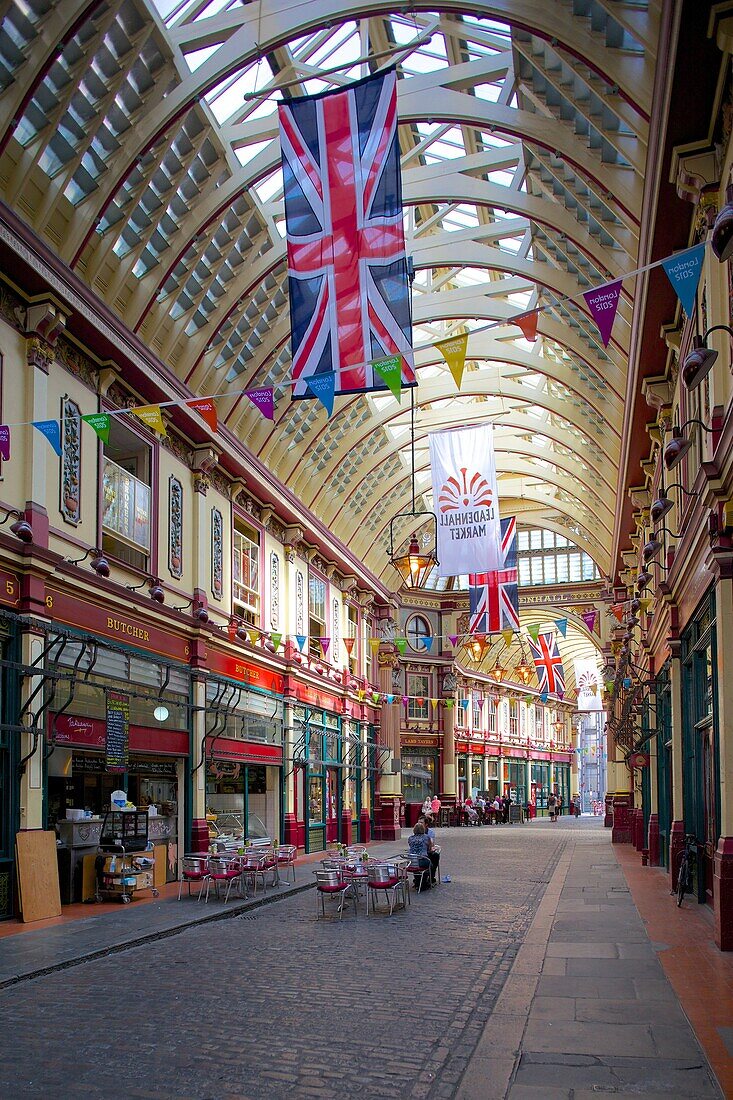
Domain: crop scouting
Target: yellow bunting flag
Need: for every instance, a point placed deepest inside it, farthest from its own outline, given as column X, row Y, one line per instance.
column 151, row 417
column 508, row 636
column 454, row 353
column 374, row 644
column 253, row 635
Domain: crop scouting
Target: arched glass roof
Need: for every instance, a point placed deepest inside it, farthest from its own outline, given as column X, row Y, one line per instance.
column 139, row 139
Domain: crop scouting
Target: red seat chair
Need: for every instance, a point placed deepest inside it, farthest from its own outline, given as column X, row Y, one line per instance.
column 286, row 855
column 223, row 870
column 333, row 883
column 193, row 869
column 385, row 877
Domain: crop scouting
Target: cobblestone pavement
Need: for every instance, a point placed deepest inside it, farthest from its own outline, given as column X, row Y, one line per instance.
column 275, row 1003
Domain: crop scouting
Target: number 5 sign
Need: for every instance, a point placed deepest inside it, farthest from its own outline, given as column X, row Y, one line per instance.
column 9, row 588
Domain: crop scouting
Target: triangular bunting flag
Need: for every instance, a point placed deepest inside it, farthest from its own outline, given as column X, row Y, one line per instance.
column 603, row 304
column 561, row 695
column 253, row 635
column 276, row 638
column 528, row 324
column 428, row 643
column 454, row 353
column 374, row 644
column 101, row 423
column 627, row 682
column 52, row 432
column 683, row 272
column 433, row 703
column 5, row 442
column 405, row 700
column 589, row 618
column 301, row 639
column 543, row 697
column 151, row 417
column 644, row 603
column 562, row 626
column 534, row 631
column 324, row 643
column 453, row 638
column 375, row 696
column 390, row 368
column 609, row 685
column 349, row 645
column 401, row 644
column 322, row 387
column 389, row 698
column 508, row 636
column 464, row 704
column 618, row 611
column 615, row 647
column 264, row 401
column 206, row 409
column 361, row 695
column 448, row 703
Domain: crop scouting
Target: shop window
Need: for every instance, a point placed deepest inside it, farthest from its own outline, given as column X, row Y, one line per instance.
column 367, row 634
column 417, row 630
column 476, row 711
column 492, row 716
column 315, row 800
column 316, row 614
column 418, row 776
column 539, row 723
column 246, row 572
column 418, row 690
column 352, row 631
column 514, row 718
column 240, row 713
column 126, row 496
column 461, row 712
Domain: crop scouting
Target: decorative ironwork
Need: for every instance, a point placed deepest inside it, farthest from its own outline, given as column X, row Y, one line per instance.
column 299, row 602
column 70, row 495
column 175, row 527
column 217, row 554
column 274, row 591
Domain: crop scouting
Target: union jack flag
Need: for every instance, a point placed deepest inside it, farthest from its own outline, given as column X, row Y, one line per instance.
column 494, row 597
column 347, row 268
column 548, row 662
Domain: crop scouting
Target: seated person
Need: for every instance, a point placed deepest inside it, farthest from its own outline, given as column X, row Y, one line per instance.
column 421, row 850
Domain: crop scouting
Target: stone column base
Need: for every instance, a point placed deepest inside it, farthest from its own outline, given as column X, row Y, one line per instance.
column 387, row 819
column 621, row 830
column 723, row 893
column 365, row 827
column 653, row 842
column 346, row 827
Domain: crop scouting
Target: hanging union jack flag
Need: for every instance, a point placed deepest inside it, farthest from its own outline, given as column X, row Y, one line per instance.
column 347, row 268
column 548, row 663
column 494, row 597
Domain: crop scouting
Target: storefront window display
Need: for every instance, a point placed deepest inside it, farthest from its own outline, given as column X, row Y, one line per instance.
column 515, row 781
column 540, row 785
column 317, row 734
column 477, row 783
column 418, row 775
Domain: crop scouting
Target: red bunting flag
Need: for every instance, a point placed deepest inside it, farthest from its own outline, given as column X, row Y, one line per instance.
column 528, row 324
column 206, row 409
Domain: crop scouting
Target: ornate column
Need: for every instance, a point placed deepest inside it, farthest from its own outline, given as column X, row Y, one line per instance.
column 387, row 810
column 44, row 323
column 677, row 828
column 652, row 837
column 449, row 792
column 723, row 858
column 32, row 742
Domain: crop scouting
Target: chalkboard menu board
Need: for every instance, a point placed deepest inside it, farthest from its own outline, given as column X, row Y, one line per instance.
column 117, row 737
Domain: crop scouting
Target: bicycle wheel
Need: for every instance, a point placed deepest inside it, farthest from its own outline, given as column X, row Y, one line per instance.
column 682, row 881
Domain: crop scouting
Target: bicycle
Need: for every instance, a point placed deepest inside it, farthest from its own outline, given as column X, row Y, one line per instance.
column 687, row 867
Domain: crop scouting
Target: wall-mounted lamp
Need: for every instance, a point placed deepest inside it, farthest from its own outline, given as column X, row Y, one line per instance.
column 21, row 528
column 97, row 561
column 155, row 591
column 198, row 611
column 642, row 580
column 722, row 235
column 699, row 360
column 680, row 444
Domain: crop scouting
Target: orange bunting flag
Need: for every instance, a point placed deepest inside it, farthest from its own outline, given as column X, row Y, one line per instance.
column 151, row 417
column 618, row 611
column 206, row 409
column 349, row 645
column 528, row 324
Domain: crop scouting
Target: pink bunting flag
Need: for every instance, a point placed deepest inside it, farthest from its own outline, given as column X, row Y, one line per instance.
column 453, row 638
column 5, row 442
column 603, row 304
column 264, row 401
column 325, row 643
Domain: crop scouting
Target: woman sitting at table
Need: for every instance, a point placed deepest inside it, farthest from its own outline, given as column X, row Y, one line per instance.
column 422, row 850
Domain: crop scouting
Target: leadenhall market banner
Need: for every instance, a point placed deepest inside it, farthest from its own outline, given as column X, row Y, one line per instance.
column 466, row 501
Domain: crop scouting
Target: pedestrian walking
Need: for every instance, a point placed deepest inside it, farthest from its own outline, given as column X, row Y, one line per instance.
column 552, row 805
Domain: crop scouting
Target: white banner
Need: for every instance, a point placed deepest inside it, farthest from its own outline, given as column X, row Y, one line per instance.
column 466, row 501
column 588, row 683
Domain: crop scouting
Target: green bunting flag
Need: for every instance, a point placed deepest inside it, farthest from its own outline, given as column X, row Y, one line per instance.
column 276, row 639
column 390, row 369
column 401, row 644
column 534, row 631
column 101, row 424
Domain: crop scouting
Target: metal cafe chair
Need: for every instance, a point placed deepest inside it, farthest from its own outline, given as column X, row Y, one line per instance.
column 421, row 875
column 333, row 883
column 255, row 865
column 286, row 855
column 224, row 870
column 193, row 869
column 384, row 878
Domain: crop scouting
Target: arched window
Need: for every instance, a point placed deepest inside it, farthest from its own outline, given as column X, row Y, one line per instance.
column 417, row 630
